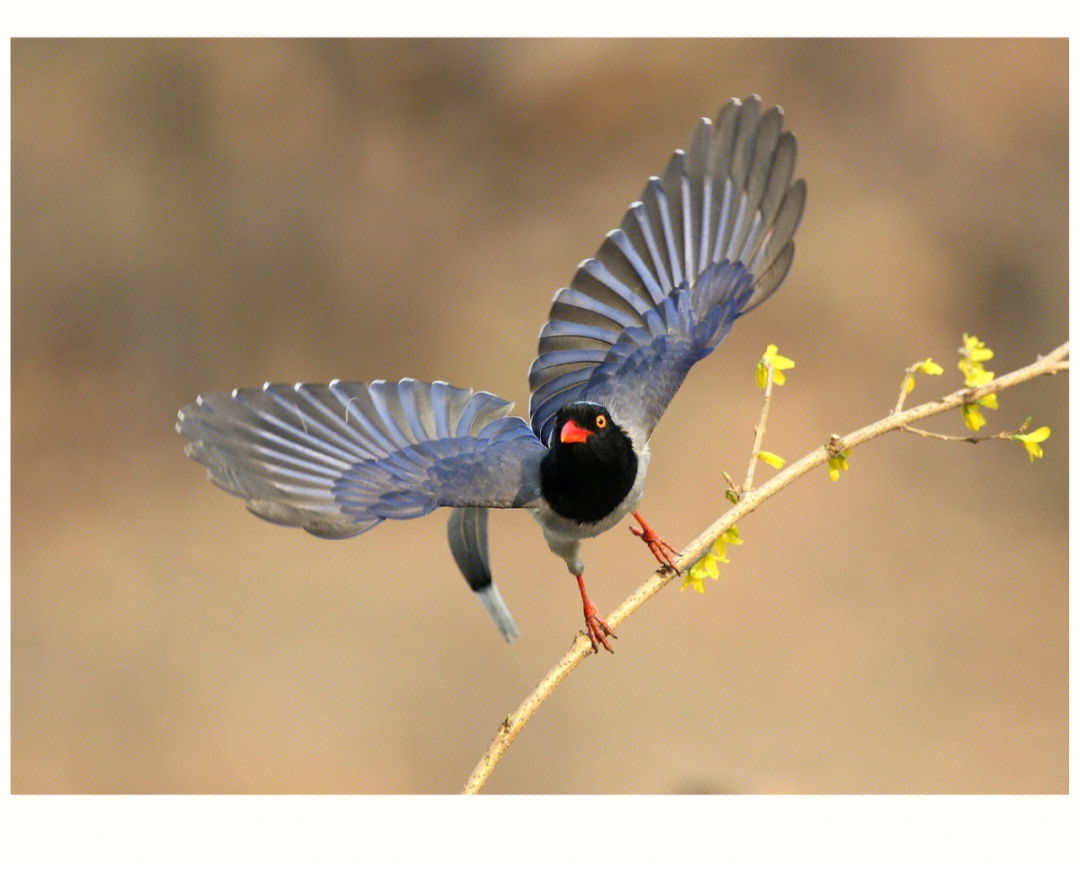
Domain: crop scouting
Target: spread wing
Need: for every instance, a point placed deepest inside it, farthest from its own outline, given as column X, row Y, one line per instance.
column 338, row 459
column 706, row 243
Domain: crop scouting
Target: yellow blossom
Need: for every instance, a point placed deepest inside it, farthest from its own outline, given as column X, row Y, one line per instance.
column 776, row 362
column 1031, row 441
column 927, row 366
column 695, row 577
column 972, row 356
column 707, row 566
column 731, row 536
column 771, row 459
column 973, row 417
column 837, row 464
column 974, row 374
column 975, row 350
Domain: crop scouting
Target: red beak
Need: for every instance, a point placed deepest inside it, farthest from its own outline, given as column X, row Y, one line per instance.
column 572, row 433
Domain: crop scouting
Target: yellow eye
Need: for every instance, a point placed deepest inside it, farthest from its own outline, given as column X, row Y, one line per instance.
column 601, row 421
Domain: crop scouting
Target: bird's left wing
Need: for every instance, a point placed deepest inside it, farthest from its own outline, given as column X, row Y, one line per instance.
column 338, row 459
column 707, row 242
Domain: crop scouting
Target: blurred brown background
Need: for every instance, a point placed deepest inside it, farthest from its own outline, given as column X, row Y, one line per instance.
column 193, row 215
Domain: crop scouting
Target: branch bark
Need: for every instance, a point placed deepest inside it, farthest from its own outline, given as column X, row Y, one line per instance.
column 1054, row 362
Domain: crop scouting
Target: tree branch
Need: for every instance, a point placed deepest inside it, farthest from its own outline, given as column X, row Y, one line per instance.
column 1054, row 362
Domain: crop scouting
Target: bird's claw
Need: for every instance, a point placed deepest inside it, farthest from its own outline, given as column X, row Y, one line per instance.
column 595, row 627
column 598, row 630
column 663, row 551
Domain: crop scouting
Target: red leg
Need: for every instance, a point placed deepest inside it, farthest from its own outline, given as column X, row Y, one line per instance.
column 661, row 549
column 598, row 630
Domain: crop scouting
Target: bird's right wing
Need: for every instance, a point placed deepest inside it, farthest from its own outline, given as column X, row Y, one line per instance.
column 708, row 241
column 338, row 459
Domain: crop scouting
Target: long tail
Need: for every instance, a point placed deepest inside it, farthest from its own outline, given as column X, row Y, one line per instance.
column 467, row 531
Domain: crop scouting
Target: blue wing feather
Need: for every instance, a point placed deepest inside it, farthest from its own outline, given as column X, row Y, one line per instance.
column 339, row 459
column 643, row 371
column 708, row 241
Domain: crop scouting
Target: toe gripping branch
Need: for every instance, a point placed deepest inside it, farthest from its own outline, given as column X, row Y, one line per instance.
column 661, row 549
column 598, row 630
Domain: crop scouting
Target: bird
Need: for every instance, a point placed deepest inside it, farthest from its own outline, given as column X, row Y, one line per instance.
column 707, row 241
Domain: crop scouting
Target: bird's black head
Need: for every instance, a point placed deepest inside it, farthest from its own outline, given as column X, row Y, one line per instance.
column 590, row 466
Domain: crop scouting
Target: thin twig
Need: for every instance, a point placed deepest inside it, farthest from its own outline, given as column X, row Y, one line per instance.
column 909, row 373
column 759, row 430
column 732, row 493
column 971, row 439
column 1050, row 364
column 925, row 433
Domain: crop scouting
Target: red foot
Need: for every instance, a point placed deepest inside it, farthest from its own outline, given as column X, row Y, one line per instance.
column 598, row 630
column 661, row 549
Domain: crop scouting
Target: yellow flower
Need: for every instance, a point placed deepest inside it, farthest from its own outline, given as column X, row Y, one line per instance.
column 695, row 577
column 837, row 464
column 974, row 374
column 973, row 417
column 707, row 566
column 1031, row 441
column 927, row 366
column 771, row 459
column 776, row 362
column 972, row 356
column 731, row 536
column 975, row 350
